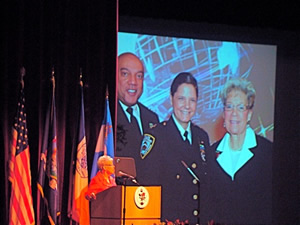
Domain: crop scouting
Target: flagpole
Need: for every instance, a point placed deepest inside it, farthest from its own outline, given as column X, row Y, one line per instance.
column 21, row 205
column 73, row 164
column 81, row 86
column 78, row 205
column 51, row 145
column 80, row 78
column 106, row 92
column 53, row 92
column 9, row 186
column 22, row 75
column 38, row 195
column 105, row 141
column 73, row 161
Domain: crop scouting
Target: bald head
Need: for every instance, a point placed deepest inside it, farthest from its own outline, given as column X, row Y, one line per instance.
column 130, row 78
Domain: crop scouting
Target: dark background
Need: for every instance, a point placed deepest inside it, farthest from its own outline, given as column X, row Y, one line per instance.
column 251, row 14
column 69, row 35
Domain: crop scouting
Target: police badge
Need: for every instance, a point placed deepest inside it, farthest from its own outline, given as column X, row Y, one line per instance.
column 147, row 144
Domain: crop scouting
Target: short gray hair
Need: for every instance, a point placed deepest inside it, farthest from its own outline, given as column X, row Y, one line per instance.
column 102, row 161
column 242, row 85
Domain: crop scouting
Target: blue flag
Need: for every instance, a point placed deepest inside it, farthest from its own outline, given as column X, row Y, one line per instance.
column 105, row 142
column 48, row 171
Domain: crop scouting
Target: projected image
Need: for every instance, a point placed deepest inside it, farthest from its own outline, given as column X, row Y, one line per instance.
column 198, row 117
column 212, row 63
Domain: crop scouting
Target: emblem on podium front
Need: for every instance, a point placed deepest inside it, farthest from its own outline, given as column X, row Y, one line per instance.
column 141, row 197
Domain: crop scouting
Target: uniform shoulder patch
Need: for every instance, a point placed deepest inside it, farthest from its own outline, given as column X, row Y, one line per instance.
column 147, row 145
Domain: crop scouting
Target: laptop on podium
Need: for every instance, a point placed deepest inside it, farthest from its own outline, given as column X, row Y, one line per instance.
column 124, row 166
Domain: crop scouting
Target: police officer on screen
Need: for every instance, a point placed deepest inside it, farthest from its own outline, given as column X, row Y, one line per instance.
column 183, row 154
column 133, row 118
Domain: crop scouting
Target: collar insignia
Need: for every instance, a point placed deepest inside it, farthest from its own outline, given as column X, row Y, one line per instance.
column 152, row 125
column 202, row 151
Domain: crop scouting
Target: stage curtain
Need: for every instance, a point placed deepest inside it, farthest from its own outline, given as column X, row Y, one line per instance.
column 64, row 35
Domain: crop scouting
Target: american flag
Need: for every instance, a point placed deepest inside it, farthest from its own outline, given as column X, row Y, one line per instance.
column 21, row 205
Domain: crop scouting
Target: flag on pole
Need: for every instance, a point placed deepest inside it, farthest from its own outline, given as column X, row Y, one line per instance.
column 79, row 204
column 48, row 171
column 105, row 142
column 21, row 205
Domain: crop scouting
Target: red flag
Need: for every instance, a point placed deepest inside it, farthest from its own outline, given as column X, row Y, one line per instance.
column 80, row 205
column 21, row 205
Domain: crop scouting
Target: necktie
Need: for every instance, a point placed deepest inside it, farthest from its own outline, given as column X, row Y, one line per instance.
column 133, row 121
column 186, row 137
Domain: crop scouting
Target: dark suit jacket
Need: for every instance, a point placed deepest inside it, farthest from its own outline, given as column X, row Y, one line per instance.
column 180, row 194
column 247, row 199
column 129, row 141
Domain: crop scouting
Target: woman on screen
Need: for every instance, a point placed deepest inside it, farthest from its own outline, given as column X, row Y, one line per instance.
column 242, row 170
column 183, row 148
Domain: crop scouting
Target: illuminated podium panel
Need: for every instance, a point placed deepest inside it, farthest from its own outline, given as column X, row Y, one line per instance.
column 142, row 206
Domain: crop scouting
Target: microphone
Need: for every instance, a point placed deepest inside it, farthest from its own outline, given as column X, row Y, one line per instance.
column 132, row 178
column 190, row 171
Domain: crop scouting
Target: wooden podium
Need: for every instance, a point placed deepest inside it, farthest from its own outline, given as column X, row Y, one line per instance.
column 127, row 205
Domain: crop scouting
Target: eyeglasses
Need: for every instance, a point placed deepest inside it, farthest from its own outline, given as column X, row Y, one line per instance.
column 239, row 107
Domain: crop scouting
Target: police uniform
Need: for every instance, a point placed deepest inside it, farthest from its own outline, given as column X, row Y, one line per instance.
column 180, row 190
column 129, row 140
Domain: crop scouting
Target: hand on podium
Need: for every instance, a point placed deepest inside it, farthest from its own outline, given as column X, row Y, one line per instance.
column 91, row 196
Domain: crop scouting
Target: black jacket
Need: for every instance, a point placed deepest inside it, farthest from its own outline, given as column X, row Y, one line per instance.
column 180, row 192
column 129, row 141
column 247, row 199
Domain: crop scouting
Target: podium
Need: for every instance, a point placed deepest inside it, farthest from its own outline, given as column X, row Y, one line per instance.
column 127, row 205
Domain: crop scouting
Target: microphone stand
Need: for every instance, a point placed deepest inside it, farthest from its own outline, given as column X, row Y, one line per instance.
column 124, row 199
column 125, row 179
